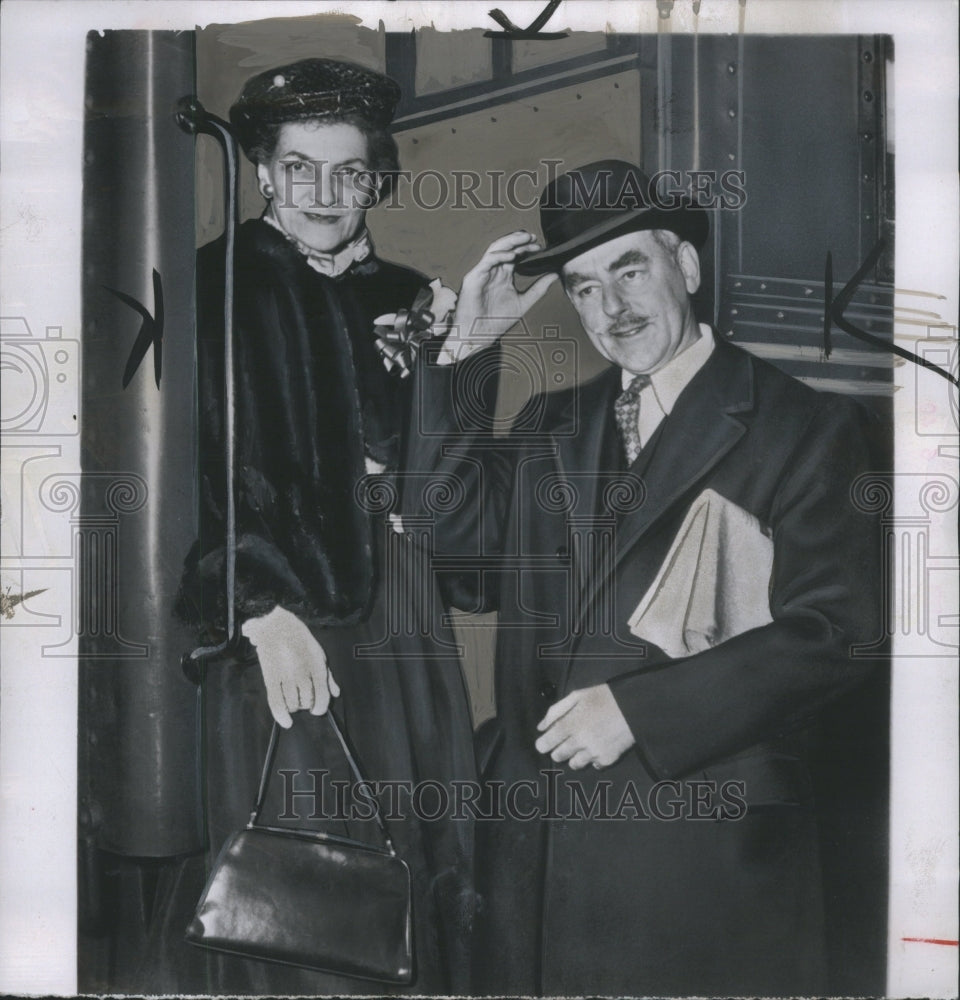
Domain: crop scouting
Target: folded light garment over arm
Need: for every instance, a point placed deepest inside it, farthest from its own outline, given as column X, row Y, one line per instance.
column 714, row 583
column 825, row 597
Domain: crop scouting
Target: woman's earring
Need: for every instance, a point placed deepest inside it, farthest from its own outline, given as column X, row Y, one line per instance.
column 267, row 191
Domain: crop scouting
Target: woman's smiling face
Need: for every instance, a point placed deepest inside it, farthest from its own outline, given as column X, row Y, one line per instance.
column 321, row 182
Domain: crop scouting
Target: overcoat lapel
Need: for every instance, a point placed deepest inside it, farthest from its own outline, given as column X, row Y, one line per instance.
column 579, row 438
column 702, row 428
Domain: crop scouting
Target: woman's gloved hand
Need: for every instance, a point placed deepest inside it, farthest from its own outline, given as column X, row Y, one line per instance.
column 293, row 663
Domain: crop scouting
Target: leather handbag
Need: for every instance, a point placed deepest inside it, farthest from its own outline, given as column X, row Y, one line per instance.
column 309, row 899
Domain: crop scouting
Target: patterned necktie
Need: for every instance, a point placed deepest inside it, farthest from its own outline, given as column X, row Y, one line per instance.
column 626, row 408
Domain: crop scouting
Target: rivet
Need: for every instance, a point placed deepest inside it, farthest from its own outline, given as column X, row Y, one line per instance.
column 732, row 113
column 737, row 284
column 779, row 315
column 730, row 156
column 808, row 291
column 868, row 57
column 763, row 286
column 734, row 312
column 868, row 96
column 731, row 68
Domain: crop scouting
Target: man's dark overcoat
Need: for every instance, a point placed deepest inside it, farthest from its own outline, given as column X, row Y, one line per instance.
column 564, row 544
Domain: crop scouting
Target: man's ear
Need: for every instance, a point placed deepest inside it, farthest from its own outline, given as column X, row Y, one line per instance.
column 688, row 261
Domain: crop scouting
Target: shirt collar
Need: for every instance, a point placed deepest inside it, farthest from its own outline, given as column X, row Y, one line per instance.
column 330, row 264
column 669, row 381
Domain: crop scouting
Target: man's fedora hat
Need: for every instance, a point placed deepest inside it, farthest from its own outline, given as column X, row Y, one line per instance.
column 599, row 202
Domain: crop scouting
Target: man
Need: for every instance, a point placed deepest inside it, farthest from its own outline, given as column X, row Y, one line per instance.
column 680, row 575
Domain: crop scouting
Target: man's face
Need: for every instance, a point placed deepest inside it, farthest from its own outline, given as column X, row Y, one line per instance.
column 633, row 299
column 320, row 182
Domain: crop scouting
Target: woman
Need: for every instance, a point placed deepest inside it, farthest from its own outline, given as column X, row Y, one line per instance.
column 322, row 403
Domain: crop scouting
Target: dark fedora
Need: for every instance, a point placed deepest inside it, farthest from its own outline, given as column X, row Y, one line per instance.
column 599, row 202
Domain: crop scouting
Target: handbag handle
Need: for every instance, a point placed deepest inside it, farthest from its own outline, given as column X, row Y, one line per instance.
column 354, row 768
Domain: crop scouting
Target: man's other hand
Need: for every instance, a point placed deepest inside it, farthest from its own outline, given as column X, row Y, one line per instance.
column 293, row 663
column 586, row 727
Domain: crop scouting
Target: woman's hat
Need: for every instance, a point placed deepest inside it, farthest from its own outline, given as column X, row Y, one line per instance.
column 599, row 202
column 312, row 88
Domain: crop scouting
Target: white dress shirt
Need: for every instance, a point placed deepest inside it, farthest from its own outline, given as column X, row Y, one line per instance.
column 659, row 397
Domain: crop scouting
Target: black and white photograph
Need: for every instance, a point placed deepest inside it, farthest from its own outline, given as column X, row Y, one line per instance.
column 479, row 498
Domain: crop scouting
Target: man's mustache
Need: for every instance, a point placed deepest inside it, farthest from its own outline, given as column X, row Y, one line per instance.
column 628, row 326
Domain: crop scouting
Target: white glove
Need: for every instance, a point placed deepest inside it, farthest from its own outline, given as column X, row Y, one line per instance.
column 293, row 663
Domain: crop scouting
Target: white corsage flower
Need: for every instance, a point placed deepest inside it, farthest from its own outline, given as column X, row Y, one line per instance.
column 400, row 334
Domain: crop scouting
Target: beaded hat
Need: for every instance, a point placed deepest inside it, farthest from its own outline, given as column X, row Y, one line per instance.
column 311, row 88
